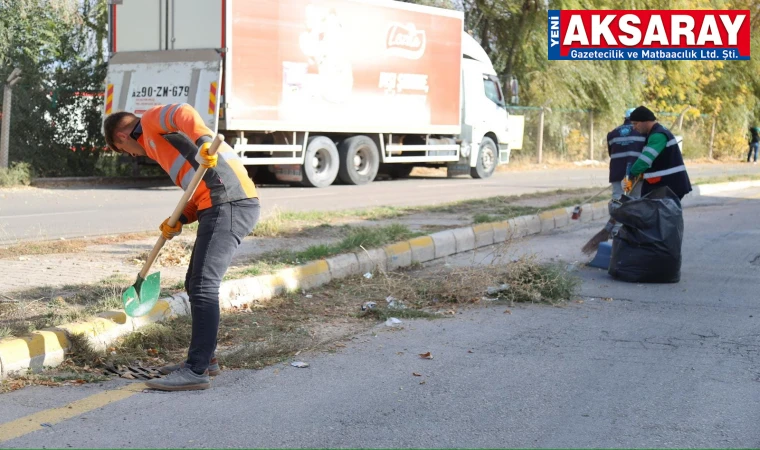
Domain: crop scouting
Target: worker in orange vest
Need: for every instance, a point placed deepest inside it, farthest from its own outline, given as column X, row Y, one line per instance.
column 225, row 205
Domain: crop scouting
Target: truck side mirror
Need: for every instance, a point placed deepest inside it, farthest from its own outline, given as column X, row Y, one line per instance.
column 514, row 90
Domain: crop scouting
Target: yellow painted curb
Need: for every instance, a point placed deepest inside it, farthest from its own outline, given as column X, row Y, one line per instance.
column 558, row 212
column 398, row 248
column 421, row 242
column 500, row 231
column 482, row 228
column 18, row 353
column 546, row 215
column 313, row 268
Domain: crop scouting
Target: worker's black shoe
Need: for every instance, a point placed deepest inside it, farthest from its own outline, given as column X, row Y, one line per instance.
column 183, row 379
column 213, row 368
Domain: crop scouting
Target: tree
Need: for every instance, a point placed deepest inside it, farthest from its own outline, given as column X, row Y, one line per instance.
column 58, row 55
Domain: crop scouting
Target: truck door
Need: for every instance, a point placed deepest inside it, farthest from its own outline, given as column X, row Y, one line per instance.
column 161, row 58
column 145, row 25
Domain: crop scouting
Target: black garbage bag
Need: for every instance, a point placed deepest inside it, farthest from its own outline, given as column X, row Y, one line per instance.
column 647, row 248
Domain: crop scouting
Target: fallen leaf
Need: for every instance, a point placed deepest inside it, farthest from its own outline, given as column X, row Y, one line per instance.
column 128, row 376
column 607, row 299
column 470, row 351
column 579, row 301
column 422, row 382
column 426, row 355
column 416, row 374
column 506, row 311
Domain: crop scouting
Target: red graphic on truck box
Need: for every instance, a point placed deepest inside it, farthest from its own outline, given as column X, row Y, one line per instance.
column 325, row 62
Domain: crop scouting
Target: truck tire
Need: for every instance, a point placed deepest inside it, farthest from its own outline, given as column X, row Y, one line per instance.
column 359, row 160
column 320, row 166
column 487, row 159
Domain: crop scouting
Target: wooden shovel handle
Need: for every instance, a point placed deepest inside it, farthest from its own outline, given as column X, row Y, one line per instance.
column 218, row 140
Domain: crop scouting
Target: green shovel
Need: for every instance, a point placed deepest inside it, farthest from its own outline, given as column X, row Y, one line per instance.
column 140, row 298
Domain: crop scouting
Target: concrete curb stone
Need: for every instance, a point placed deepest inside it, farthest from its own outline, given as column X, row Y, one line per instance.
column 47, row 348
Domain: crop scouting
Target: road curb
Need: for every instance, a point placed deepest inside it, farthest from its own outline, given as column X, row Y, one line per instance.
column 47, row 348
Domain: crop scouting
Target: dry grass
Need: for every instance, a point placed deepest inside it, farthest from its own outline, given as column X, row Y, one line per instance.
column 725, row 179
column 22, row 312
column 174, row 253
column 43, row 248
column 263, row 334
column 29, row 248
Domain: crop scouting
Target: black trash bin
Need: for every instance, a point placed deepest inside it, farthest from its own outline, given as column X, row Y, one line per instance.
column 647, row 248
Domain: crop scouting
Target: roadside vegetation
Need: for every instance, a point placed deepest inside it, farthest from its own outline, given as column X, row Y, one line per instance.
column 18, row 174
column 323, row 319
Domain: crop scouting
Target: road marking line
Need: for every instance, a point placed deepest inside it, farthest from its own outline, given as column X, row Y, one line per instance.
column 32, row 422
column 298, row 196
column 23, row 216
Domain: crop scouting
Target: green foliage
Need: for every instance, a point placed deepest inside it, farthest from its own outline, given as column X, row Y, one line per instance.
column 59, row 45
column 18, row 174
column 55, row 118
column 514, row 34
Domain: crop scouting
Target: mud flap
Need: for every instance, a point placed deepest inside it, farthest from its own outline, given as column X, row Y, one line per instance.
column 459, row 168
column 291, row 173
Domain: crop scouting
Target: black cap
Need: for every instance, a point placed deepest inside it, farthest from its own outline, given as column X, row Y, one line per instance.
column 642, row 114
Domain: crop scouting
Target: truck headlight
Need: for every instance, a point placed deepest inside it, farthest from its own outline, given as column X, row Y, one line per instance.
column 465, row 149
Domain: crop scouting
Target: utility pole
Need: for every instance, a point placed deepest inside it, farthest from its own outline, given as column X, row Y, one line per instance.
column 13, row 78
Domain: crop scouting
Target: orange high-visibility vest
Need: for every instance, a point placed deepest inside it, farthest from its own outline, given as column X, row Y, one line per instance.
column 171, row 136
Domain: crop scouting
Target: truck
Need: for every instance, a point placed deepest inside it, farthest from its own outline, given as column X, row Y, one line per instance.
column 313, row 92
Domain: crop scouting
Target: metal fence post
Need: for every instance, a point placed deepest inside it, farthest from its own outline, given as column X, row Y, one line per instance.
column 591, row 135
column 541, row 136
column 712, row 136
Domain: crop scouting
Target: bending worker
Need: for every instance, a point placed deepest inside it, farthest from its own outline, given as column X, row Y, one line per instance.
column 624, row 145
column 660, row 162
column 225, row 205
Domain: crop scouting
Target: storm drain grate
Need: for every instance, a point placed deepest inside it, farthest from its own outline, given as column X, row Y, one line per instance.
column 133, row 372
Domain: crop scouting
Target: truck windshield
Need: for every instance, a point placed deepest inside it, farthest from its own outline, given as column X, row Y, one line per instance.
column 492, row 89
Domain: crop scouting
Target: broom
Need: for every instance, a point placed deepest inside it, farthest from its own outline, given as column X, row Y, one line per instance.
column 604, row 234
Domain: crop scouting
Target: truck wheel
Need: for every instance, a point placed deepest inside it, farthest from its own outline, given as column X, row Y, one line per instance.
column 487, row 157
column 320, row 166
column 359, row 160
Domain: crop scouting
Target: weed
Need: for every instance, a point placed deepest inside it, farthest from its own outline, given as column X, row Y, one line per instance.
column 383, row 314
column 354, row 239
column 726, row 179
column 18, row 174
column 81, row 351
column 530, row 281
column 43, row 248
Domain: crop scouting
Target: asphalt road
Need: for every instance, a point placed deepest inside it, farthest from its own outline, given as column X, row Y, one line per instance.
column 37, row 214
column 673, row 365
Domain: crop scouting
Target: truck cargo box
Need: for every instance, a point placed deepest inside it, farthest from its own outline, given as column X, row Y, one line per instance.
column 291, row 65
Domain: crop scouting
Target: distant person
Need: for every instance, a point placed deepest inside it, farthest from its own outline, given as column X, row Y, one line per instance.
column 660, row 162
column 754, row 142
column 225, row 205
column 624, row 145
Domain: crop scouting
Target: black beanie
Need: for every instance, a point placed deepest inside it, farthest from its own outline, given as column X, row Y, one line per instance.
column 642, row 114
